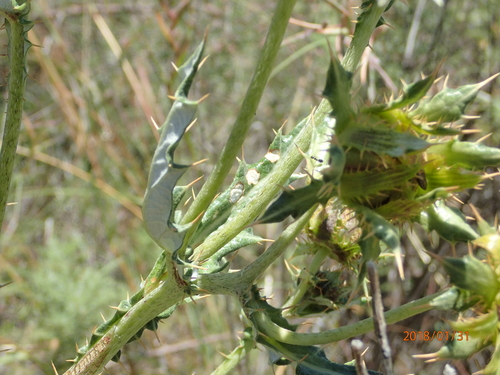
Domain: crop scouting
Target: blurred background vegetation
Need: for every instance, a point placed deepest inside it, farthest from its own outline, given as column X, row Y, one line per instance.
column 74, row 243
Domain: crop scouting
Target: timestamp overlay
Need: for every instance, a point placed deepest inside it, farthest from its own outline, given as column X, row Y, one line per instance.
column 436, row 335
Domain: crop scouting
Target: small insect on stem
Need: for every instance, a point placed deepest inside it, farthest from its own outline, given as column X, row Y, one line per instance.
column 317, row 159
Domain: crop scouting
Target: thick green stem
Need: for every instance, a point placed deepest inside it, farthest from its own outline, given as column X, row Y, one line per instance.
column 269, row 328
column 249, row 106
column 170, row 291
column 260, row 196
column 364, row 29
column 17, row 82
column 239, row 282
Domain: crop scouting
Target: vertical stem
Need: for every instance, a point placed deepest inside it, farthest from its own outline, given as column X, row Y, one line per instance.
column 17, row 81
column 364, row 28
column 249, row 106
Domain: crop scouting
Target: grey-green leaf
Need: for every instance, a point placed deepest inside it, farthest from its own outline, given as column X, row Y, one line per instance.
column 158, row 206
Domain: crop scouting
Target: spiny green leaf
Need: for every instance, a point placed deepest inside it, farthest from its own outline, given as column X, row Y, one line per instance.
column 362, row 184
column 470, row 155
column 412, row 93
column 370, row 250
column 381, row 141
column 333, row 173
column 216, row 263
column 493, row 367
column 449, row 104
column 447, row 177
column 158, row 206
column 462, row 349
column 310, row 360
column 337, row 92
column 483, row 325
column 490, row 240
column 294, row 203
column 448, row 222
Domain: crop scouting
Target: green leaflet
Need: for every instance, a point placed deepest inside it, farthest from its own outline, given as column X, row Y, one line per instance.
column 381, row 141
column 337, row 161
column 449, row 104
column 493, row 366
column 216, row 262
column 455, row 299
column 470, row 336
column 158, row 202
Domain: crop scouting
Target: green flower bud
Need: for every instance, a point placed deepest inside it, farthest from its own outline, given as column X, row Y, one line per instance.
column 412, row 93
column 449, row 104
column 473, row 275
column 456, row 349
column 448, row 222
column 483, row 326
column 451, row 177
column 466, row 154
column 337, row 92
column 490, row 242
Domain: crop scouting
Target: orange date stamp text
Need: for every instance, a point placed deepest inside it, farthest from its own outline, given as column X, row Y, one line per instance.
column 437, row 335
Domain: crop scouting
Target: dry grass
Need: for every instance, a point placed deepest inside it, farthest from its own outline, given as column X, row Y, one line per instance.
column 99, row 81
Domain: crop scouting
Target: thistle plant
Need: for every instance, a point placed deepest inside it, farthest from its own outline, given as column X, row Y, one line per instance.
column 371, row 171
